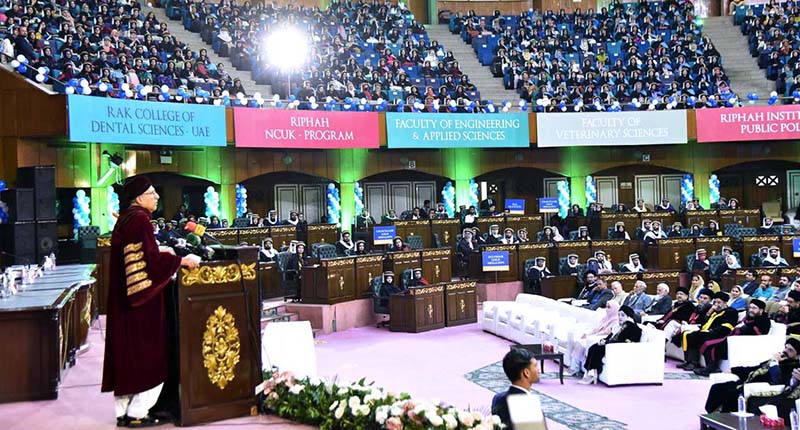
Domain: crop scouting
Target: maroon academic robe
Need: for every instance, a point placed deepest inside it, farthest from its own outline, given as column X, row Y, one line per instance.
column 136, row 352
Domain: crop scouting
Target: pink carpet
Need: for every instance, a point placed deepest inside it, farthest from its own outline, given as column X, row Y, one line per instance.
column 430, row 365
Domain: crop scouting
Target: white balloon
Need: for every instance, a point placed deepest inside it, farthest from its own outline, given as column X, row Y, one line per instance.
column 125, row 87
column 257, row 95
column 21, row 58
column 103, row 87
column 275, row 97
column 40, row 78
column 42, row 70
column 14, row 64
column 217, row 102
column 128, row 93
column 84, row 83
column 240, row 96
column 164, row 89
column 87, row 91
column 70, row 90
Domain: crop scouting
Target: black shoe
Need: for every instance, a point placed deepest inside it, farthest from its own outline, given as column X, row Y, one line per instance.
column 123, row 421
column 147, row 421
column 690, row 367
column 703, row 371
column 683, row 365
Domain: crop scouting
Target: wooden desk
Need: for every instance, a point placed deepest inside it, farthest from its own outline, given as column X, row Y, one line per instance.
column 559, row 287
column 447, row 230
column 397, row 262
column 322, row 233
column 421, row 309
column 701, row 218
column 534, row 223
column 282, row 236
column 665, row 218
column 582, row 248
column 670, row 254
column 727, row 421
column 329, row 282
column 228, row 236
column 254, row 235
column 421, row 228
column 437, row 265
column 461, row 303
column 367, row 268
column 713, row 245
column 509, row 276
column 743, row 217
column 47, row 324
column 269, row 280
column 653, row 278
column 751, row 244
column 485, row 222
column 617, row 251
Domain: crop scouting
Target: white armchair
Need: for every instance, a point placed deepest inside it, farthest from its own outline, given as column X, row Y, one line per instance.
column 635, row 363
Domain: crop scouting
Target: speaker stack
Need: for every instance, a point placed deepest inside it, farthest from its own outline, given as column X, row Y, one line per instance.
column 32, row 232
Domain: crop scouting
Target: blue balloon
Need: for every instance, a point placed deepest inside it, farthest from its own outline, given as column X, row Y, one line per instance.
column 2, row 185
column 22, row 68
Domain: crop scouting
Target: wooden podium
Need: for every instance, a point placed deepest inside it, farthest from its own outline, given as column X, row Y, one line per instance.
column 421, row 309
column 219, row 338
column 329, row 282
column 461, row 303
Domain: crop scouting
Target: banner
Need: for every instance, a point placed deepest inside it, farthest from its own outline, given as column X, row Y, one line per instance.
column 383, row 234
column 795, row 247
column 611, row 128
column 109, row 120
column 515, row 206
column 309, row 129
column 495, row 261
column 457, row 130
column 548, row 205
column 748, row 123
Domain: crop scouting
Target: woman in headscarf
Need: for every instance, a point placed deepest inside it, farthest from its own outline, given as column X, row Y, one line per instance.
column 712, row 229
column 676, row 230
column 737, row 300
column 728, row 266
column 628, row 331
column 607, row 325
column 700, row 260
column 698, row 283
column 619, row 232
column 696, row 231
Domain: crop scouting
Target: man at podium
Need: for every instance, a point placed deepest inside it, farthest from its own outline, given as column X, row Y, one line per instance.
column 136, row 353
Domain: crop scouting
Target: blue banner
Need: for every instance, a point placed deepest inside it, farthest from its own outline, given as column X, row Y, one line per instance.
column 383, row 234
column 796, row 247
column 548, row 205
column 455, row 130
column 516, row 206
column 495, row 261
column 109, row 120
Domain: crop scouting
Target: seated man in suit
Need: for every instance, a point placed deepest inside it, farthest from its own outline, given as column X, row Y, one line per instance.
column 638, row 300
column 599, row 295
column 750, row 282
column 662, row 303
column 522, row 370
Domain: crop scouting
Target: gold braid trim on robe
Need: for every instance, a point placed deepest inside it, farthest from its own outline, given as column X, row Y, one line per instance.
column 136, row 256
column 137, row 279
column 139, row 287
column 134, row 267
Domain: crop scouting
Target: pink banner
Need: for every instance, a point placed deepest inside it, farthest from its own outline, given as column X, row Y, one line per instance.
column 748, row 123
column 280, row 128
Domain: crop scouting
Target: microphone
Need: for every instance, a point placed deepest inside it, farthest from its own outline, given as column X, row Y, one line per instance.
column 200, row 231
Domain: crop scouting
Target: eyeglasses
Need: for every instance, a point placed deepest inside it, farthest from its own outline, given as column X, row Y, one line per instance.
column 151, row 193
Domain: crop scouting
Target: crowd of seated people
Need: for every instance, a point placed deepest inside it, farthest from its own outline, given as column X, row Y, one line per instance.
column 773, row 38
column 113, row 45
column 644, row 55
column 369, row 51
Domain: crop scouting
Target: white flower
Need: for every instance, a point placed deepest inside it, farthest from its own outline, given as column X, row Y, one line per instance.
column 435, row 420
column 477, row 417
column 396, row 411
column 314, row 381
column 334, row 405
column 296, row 389
column 362, row 410
column 381, row 414
column 342, row 391
column 339, row 411
column 496, row 420
column 353, row 402
column 450, row 422
column 466, row 418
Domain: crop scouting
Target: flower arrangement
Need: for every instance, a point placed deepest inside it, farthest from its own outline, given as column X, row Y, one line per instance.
column 360, row 406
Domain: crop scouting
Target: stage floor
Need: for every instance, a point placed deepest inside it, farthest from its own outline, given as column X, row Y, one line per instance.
column 457, row 365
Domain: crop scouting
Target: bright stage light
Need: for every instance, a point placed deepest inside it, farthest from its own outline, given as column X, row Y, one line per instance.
column 286, row 48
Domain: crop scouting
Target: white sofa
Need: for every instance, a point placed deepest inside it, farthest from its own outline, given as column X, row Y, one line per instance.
column 744, row 350
column 635, row 363
column 535, row 319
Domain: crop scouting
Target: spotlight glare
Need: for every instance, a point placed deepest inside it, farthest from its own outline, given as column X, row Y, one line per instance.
column 286, row 48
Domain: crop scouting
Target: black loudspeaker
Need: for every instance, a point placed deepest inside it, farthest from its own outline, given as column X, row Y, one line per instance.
column 19, row 239
column 43, row 181
column 20, row 204
column 46, row 238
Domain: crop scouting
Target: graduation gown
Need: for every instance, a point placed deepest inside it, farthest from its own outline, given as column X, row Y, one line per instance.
column 679, row 312
column 137, row 350
column 718, row 326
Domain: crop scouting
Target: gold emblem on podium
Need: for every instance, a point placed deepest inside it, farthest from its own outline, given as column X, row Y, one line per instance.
column 446, row 237
column 438, row 272
column 677, row 258
column 341, row 283
column 462, row 305
column 430, row 311
column 218, row 274
column 221, row 347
